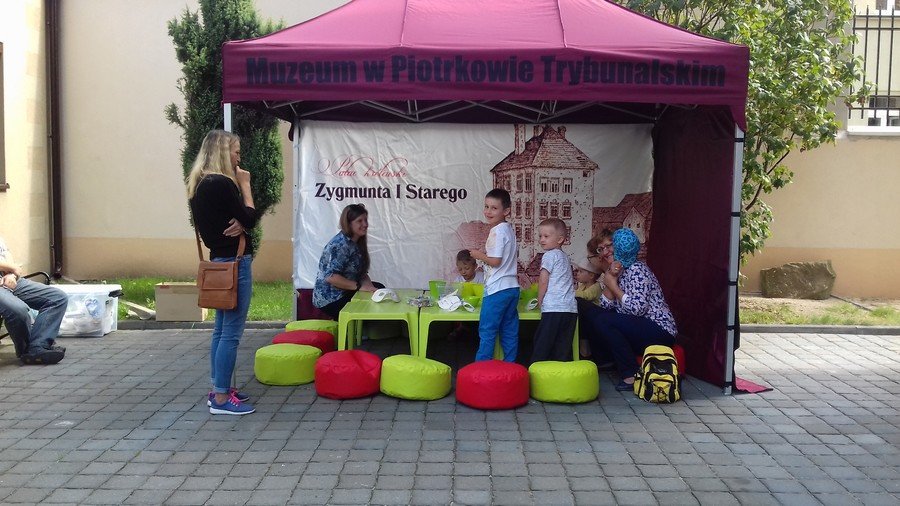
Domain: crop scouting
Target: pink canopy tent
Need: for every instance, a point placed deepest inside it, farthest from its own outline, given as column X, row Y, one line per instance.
column 577, row 61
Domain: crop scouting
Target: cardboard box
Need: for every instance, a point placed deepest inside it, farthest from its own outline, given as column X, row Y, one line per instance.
column 92, row 310
column 177, row 302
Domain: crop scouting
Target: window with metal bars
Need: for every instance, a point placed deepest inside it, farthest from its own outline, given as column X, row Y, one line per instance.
column 876, row 26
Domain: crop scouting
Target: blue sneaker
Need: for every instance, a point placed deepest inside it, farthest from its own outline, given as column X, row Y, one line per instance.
column 241, row 396
column 230, row 407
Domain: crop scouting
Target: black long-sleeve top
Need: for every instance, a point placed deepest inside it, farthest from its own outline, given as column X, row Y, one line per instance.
column 216, row 201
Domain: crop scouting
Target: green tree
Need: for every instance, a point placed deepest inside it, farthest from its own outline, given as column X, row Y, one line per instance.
column 198, row 39
column 800, row 65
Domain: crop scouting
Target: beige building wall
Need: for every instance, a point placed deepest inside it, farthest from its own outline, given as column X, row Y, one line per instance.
column 25, row 207
column 124, row 205
column 125, row 213
column 843, row 206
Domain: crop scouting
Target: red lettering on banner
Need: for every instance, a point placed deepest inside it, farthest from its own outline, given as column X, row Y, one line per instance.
column 353, row 165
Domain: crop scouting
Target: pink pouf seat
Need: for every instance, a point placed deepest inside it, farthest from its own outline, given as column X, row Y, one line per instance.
column 348, row 374
column 318, row 338
column 492, row 384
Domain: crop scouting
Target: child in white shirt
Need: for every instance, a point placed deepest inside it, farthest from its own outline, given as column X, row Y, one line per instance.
column 499, row 310
column 556, row 296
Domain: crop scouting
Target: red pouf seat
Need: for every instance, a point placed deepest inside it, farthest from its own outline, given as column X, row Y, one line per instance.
column 492, row 384
column 348, row 374
column 318, row 338
column 678, row 351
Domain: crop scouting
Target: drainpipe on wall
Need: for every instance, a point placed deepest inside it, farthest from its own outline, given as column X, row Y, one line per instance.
column 54, row 160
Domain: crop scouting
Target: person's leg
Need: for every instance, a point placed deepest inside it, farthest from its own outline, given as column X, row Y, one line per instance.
column 627, row 336
column 334, row 309
column 564, row 324
column 488, row 325
column 50, row 303
column 15, row 316
column 544, row 337
column 214, row 346
column 587, row 311
column 509, row 325
column 233, row 323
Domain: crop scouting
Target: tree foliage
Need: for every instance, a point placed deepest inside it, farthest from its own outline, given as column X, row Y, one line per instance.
column 800, row 65
column 198, row 38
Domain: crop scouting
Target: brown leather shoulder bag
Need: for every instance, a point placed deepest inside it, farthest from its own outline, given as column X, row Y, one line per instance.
column 217, row 282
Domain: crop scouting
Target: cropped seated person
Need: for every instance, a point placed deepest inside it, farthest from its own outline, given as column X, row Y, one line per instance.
column 467, row 268
column 636, row 313
column 34, row 342
column 468, row 272
column 344, row 264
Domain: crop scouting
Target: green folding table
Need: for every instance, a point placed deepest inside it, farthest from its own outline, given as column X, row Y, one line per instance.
column 361, row 308
column 428, row 315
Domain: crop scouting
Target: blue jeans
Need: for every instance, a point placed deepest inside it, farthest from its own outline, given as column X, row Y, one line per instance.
column 499, row 313
column 50, row 303
column 229, row 327
column 624, row 335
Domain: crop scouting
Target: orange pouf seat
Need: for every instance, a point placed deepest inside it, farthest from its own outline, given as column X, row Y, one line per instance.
column 678, row 351
column 348, row 374
column 319, row 338
column 492, row 384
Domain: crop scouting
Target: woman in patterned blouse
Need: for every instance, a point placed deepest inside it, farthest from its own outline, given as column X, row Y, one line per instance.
column 637, row 315
column 344, row 265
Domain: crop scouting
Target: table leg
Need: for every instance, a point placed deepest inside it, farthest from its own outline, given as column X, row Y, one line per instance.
column 344, row 322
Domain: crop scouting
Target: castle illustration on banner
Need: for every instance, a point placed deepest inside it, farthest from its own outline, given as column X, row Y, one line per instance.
column 549, row 177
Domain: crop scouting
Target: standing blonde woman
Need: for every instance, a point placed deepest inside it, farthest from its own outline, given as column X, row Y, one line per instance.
column 222, row 207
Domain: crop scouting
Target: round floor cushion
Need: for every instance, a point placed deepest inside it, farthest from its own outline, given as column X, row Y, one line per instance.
column 492, row 384
column 319, row 338
column 286, row 364
column 564, row 382
column 324, row 325
column 414, row 378
column 348, row 374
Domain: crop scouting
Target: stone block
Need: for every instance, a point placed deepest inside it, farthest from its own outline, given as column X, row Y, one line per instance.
column 798, row 280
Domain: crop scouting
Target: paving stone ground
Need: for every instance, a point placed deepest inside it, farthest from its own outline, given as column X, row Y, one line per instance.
column 123, row 420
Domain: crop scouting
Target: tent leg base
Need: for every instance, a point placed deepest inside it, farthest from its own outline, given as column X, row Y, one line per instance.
column 726, row 390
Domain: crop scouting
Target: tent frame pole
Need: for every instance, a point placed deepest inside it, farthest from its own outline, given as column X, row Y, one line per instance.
column 226, row 112
column 295, row 148
column 734, row 257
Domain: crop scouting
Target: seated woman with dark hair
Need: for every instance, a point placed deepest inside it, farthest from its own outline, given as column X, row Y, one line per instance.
column 636, row 313
column 344, row 264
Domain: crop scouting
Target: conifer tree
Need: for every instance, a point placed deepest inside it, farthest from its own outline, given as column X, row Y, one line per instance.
column 198, row 38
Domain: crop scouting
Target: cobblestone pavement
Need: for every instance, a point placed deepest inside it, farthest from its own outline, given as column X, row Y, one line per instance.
column 123, row 419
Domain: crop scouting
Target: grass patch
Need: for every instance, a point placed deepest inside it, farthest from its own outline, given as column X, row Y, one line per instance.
column 771, row 315
column 780, row 313
column 271, row 300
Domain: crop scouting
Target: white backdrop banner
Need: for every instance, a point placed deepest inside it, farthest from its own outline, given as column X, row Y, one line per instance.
column 424, row 187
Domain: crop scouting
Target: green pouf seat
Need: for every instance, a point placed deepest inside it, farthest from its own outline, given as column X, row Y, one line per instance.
column 323, row 325
column 564, row 382
column 414, row 378
column 286, row 364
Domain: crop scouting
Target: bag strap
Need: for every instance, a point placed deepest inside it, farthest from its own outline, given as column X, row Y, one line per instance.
column 199, row 250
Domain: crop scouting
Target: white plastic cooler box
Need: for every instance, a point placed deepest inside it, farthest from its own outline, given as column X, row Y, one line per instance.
column 93, row 310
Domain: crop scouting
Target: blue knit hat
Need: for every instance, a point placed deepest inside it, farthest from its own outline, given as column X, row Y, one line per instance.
column 625, row 246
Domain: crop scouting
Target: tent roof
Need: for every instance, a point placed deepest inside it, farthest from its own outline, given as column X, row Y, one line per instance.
column 392, row 52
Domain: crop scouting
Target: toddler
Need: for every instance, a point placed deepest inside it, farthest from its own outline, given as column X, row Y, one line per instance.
column 588, row 278
column 587, row 290
column 467, row 268
column 556, row 296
